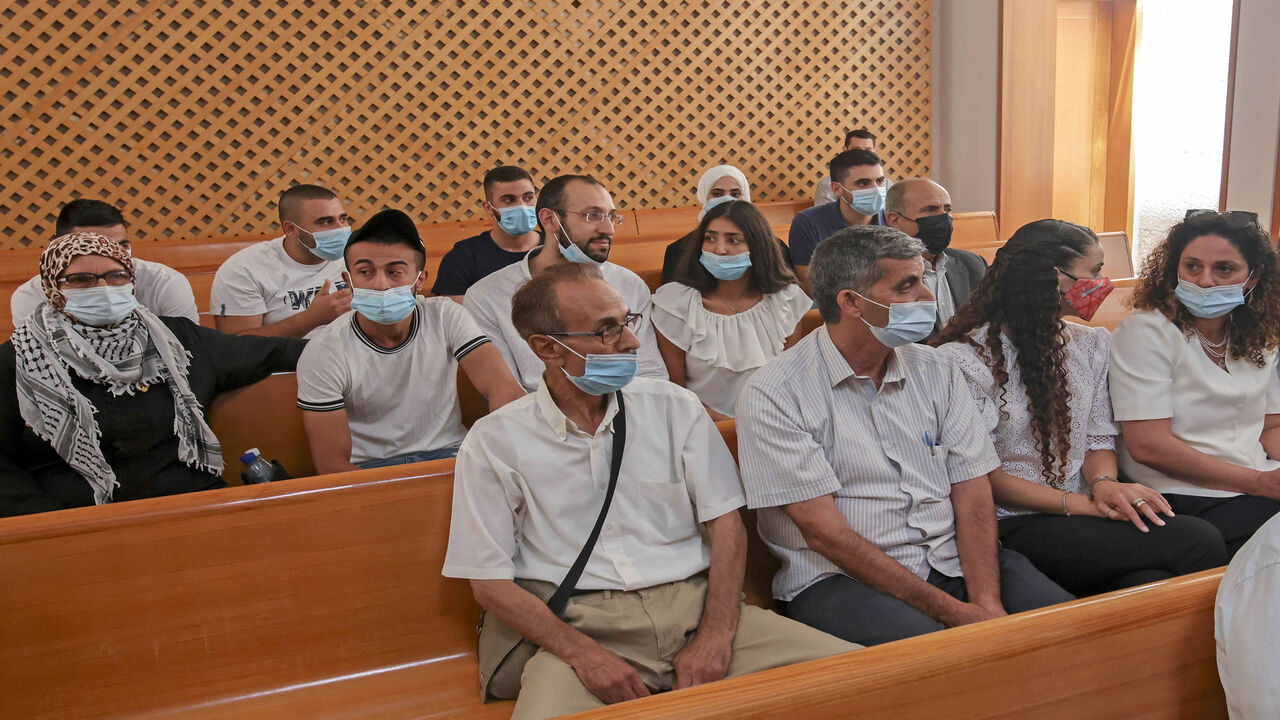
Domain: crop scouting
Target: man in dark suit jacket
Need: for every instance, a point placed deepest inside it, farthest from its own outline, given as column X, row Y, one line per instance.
column 921, row 208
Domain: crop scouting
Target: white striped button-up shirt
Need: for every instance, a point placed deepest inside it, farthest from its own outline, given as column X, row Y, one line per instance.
column 809, row 426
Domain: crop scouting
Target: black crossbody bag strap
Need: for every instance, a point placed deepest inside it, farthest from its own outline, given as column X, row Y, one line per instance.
column 560, row 599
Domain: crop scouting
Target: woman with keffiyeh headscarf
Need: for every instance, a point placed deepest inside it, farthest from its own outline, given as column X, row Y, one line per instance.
column 719, row 184
column 101, row 400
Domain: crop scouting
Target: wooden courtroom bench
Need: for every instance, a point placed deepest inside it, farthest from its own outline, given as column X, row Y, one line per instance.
column 265, row 415
column 322, row 597
column 1140, row 653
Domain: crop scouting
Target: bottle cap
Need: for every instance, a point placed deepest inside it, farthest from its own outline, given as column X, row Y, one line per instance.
column 250, row 455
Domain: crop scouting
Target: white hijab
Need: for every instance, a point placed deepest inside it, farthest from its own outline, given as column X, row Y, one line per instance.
column 712, row 176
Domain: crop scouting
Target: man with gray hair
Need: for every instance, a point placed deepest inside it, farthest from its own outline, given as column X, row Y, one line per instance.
column 921, row 208
column 867, row 460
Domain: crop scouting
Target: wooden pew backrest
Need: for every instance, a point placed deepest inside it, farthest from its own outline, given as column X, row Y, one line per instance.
column 1118, row 257
column 264, row 415
column 1138, row 653
column 975, row 231
column 285, row 600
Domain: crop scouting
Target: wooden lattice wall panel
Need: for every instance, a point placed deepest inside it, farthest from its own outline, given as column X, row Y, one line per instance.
column 195, row 115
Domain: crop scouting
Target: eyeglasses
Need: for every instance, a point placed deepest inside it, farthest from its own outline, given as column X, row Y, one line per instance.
column 595, row 216
column 1233, row 218
column 609, row 335
column 82, row 280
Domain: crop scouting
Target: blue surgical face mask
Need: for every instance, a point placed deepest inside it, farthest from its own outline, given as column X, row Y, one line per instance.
column 712, row 202
column 572, row 252
column 908, row 322
column 517, row 219
column 726, row 267
column 102, row 305
column 604, row 373
column 868, row 201
column 329, row 243
column 385, row 307
column 1211, row 302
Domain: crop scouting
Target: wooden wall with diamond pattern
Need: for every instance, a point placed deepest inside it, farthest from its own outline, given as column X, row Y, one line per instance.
column 194, row 115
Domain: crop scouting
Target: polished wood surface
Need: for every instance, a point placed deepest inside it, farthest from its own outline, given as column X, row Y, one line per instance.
column 1141, row 653
column 264, row 415
column 1027, row 54
column 307, row 598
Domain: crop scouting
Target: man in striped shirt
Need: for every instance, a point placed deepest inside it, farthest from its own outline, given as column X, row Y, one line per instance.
column 866, row 457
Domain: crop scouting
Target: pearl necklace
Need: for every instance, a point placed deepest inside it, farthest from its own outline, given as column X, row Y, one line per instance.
column 1211, row 348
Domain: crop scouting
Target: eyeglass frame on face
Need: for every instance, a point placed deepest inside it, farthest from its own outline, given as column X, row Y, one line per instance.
column 631, row 322
column 120, row 274
column 615, row 218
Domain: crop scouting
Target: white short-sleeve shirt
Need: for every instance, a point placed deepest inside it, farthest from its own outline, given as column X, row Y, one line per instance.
column 263, row 280
column 1247, row 627
column 158, row 287
column 489, row 301
column 398, row 400
column 722, row 352
column 529, row 485
column 809, row 426
column 1158, row 372
column 1087, row 355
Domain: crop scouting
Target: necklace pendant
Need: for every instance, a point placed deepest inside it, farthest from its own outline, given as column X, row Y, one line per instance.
column 143, row 387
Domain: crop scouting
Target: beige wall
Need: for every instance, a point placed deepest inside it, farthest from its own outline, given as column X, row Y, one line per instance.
column 1255, row 119
column 966, row 107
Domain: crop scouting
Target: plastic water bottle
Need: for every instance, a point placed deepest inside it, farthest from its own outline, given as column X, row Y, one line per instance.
column 258, row 470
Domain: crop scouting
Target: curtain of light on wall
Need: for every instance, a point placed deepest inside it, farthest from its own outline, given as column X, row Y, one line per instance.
column 1179, row 111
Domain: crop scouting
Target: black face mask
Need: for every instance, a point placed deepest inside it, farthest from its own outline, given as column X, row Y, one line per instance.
column 935, row 232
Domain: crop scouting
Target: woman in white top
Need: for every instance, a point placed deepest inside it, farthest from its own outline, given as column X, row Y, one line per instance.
column 734, row 306
column 1193, row 374
column 719, row 184
column 1040, row 383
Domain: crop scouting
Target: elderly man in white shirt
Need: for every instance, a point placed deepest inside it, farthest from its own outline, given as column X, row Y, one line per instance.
column 869, row 463
column 1247, row 627
column 578, row 219
column 657, row 605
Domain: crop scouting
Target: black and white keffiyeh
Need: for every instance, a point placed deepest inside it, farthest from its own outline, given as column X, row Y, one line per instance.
column 131, row 355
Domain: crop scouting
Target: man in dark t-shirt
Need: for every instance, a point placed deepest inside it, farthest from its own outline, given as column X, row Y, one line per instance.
column 510, row 197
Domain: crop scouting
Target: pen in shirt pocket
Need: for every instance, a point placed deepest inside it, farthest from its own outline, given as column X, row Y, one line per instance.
column 930, row 443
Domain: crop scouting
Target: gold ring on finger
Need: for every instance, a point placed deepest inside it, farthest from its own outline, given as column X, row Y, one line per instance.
column 1138, row 503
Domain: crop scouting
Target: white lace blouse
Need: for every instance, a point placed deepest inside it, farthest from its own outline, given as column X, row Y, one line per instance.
column 722, row 352
column 1092, row 428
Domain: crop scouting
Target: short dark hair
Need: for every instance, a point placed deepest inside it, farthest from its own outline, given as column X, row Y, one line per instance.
column 859, row 133
column 535, row 308
column 293, row 197
column 83, row 212
column 552, row 195
column 389, row 227
column 849, row 159
column 505, row 173
column 768, row 272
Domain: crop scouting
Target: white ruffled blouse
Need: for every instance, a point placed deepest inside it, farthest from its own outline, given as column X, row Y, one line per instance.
column 722, row 352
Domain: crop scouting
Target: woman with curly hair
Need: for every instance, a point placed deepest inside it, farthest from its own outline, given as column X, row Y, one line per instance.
column 1193, row 374
column 1040, row 383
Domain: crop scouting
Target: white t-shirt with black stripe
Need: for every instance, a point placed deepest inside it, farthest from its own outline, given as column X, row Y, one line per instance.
column 398, row 400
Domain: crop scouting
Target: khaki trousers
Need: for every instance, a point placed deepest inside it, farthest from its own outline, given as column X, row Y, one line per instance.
column 647, row 628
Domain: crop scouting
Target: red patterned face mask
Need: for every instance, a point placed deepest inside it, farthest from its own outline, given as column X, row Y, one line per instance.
column 1087, row 294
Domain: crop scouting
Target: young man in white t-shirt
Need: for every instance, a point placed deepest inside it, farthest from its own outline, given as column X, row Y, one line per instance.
column 163, row 290
column 378, row 386
column 289, row 286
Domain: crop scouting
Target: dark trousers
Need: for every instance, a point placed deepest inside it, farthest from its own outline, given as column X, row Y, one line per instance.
column 1088, row 555
column 850, row 610
column 1237, row 518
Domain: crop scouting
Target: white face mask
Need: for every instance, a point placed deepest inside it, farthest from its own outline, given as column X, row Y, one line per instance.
column 908, row 322
column 100, row 306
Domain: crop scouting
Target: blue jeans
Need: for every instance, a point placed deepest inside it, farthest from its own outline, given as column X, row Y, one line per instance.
column 446, row 452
